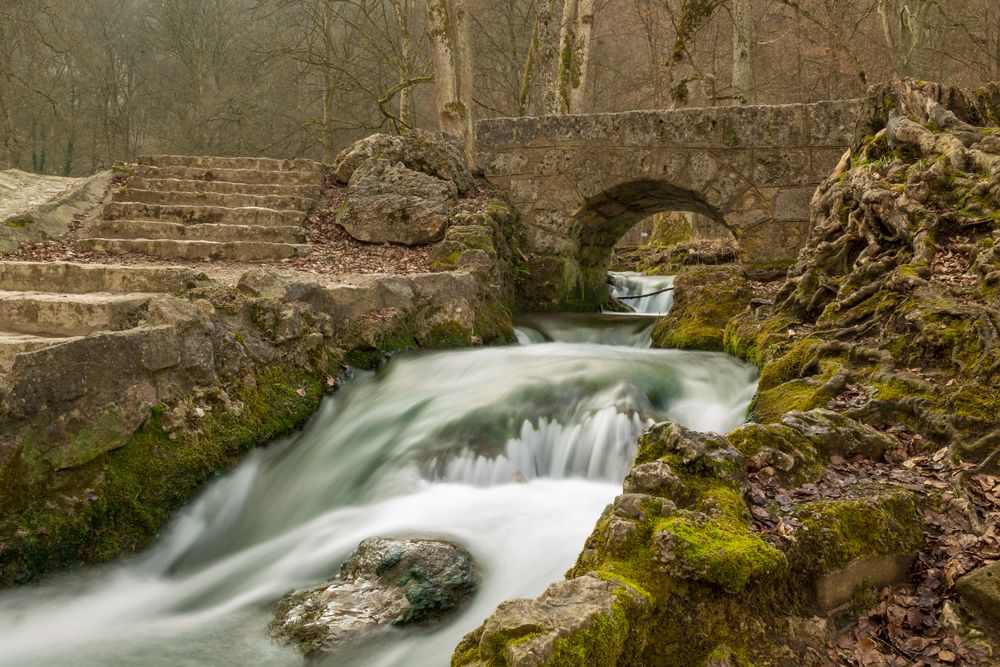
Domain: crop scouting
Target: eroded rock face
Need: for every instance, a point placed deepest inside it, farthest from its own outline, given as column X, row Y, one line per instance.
column 833, row 434
column 390, row 203
column 426, row 152
column 385, row 582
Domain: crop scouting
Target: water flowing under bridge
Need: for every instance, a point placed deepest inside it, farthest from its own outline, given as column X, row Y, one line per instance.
column 580, row 182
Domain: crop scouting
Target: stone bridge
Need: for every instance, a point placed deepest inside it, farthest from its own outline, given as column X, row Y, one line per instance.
column 580, row 182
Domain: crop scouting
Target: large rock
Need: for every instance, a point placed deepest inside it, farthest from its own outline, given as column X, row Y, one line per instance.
column 980, row 591
column 421, row 151
column 705, row 299
column 385, row 582
column 389, row 203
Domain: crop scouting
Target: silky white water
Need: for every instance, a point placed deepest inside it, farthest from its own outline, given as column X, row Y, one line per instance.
column 660, row 297
column 511, row 452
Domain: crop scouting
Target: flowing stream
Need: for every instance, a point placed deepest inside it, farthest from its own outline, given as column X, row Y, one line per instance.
column 512, row 452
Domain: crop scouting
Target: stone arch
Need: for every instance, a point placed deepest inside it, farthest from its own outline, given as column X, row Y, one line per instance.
column 579, row 182
column 603, row 219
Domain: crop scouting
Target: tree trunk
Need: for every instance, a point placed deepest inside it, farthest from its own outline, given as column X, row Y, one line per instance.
column 581, row 54
column 546, row 54
column 567, row 43
column 904, row 28
column 528, row 74
column 402, row 11
column 328, row 82
column 449, row 34
column 742, row 51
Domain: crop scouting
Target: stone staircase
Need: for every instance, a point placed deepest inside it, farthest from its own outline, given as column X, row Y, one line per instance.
column 47, row 304
column 189, row 208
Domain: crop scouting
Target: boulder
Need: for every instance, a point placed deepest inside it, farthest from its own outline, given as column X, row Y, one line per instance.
column 705, row 299
column 542, row 631
column 426, row 152
column 980, row 592
column 391, row 203
column 386, row 582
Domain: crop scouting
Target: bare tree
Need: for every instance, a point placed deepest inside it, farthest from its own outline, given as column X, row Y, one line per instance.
column 904, row 25
column 742, row 11
column 449, row 35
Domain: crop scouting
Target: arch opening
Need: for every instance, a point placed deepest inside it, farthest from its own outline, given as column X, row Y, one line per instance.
column 605, row 219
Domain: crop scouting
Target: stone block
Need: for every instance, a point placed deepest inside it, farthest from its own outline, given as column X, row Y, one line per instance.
column 501, row 163
column 838, row 587
column 687, row 128
column 832, row 123
column 793, row 203
column 980, row 592
column 823, row 161
column 782, row 126
column 776, row 167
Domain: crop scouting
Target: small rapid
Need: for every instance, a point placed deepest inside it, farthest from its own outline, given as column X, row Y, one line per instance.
column 656, row 294
column 512, row 452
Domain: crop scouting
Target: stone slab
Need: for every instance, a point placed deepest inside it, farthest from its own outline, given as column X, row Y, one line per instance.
column 69, row 314
column 252, row 176
column 233, row 200
column 224, row 187
column 202, row 214
column 13, row 344
column 71, row 278
column 146, row 229
column 201, row 251
column 214, row 162
column 840, row 586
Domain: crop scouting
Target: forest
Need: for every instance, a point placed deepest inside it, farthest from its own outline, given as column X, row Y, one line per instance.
column 87, row 83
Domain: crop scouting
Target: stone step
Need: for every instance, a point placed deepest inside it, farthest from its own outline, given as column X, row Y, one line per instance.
column 252, row 251
column 275, row 202
column 47, row 313
column 215, row 162
column 313, row 192
column 195, row 215
column 249, row 176
column 71, row 278
column 13, row 344
column 147, row 229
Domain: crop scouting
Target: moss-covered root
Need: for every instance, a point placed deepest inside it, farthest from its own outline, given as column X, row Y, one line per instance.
column 705, row 299
column 117, row 502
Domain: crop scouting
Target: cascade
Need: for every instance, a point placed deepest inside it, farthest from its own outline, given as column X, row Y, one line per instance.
column 512, row 452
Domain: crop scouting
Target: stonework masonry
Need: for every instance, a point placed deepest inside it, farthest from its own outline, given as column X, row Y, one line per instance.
column 580, row 182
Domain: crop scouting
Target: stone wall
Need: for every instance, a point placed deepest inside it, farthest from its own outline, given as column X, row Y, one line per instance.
column 580, row 182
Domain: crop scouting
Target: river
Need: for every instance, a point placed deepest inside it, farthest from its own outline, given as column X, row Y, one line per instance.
column 512, row 452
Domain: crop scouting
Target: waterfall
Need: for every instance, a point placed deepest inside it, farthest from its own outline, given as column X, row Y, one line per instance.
column 630, row 283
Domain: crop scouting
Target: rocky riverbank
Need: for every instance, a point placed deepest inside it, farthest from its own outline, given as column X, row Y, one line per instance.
column 127, row 381
column 857, row 521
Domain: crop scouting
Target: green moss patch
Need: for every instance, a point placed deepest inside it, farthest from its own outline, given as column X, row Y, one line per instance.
column 116, row 503
column 705, row 299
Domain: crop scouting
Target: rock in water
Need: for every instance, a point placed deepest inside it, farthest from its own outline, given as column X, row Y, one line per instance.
column 385, row 582
column 389, row 203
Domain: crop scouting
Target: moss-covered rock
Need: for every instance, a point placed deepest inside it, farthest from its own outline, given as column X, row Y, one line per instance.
column 115, row 503
column 705, row 299
column 693, row 552
column 386, row 581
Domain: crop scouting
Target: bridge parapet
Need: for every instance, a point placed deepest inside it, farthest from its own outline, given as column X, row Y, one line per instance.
column 580, row 182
